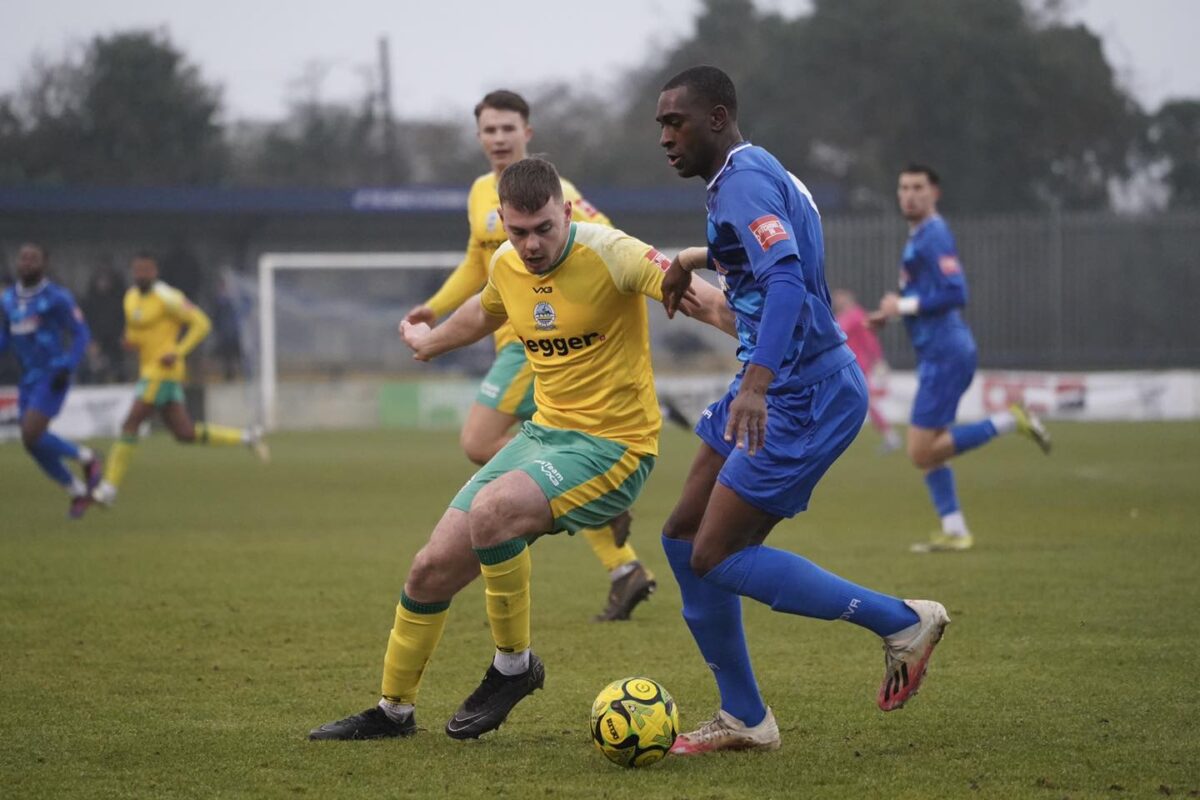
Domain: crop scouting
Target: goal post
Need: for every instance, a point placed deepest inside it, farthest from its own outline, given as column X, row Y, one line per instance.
column 271, row 263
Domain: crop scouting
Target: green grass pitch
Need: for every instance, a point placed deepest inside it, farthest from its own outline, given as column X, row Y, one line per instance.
column 182, row 644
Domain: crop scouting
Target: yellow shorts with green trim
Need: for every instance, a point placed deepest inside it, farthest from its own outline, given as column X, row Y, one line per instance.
column 588, row 480
column 159, row 392
column 508, row 386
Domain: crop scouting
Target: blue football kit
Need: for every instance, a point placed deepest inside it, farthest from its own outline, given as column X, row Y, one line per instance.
column 766, row 245
column 932, row 273
column 764, row 232
column 46, row 331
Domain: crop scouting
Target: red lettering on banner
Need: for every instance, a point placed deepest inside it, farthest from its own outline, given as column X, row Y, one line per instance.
column 768, row 230
column 1042, row 394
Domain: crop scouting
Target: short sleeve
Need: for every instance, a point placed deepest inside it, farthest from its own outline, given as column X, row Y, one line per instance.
column 175, row 302
column 635, row 266
column 754, row 206
column 581, row 209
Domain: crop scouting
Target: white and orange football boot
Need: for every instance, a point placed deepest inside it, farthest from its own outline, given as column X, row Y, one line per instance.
column 906, row 654
column 726, row 732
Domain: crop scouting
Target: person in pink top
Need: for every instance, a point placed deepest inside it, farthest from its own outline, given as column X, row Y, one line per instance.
column 852, row 319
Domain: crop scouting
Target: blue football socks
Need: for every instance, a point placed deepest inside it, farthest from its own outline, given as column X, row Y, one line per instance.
column 51, row 463
column 972, row 435
column 793, row 584
column 941, row 490
column 58, row 446
column 714, row 617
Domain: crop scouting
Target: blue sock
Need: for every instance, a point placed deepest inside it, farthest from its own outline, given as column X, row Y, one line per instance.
column 968, row 437
column 941, row 488
column 58, row 446
column 715, row 619
column 792, row 583
column 51, row 463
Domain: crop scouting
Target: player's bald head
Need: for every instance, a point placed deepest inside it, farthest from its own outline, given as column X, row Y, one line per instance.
column 707, row 85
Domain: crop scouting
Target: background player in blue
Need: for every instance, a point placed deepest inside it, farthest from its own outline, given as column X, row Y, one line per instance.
column 798, row 402
column 933, row 289
column 45, row 329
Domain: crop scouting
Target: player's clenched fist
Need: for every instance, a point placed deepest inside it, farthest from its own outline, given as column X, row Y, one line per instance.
column 414, row 336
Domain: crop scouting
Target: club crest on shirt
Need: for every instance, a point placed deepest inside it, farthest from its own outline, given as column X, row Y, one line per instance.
column 544, row 316
column 493, row 220
column 949, row 264
column 768, row 230
column 659, row 260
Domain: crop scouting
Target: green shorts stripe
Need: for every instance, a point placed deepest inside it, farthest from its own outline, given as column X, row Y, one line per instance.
column 159, row 392
column 588, row 480
column 508, row 385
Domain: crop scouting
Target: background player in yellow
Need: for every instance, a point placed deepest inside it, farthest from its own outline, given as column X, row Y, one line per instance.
column 583, row 458
column 155, row 316
column 506, row 395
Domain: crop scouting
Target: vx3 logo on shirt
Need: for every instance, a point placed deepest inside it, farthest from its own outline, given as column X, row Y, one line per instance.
column 543, row 290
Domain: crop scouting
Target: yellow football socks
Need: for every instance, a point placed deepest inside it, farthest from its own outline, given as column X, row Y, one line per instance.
column 611, row 556
column 210, row 433
column 415, row 635
column 118, row 460
column 506, row 569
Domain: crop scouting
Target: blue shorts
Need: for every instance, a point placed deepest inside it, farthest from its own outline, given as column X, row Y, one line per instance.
column 806, row 432
column 40, row 396
column 941, row 383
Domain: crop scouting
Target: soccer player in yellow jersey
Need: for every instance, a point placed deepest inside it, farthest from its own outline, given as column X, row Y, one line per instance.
column 574, row 293
column 506, row 396
column 155, row 316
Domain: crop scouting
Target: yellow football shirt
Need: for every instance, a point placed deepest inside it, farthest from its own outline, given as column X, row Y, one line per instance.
column 153, row 322
column 487, row 234
column 586, row 332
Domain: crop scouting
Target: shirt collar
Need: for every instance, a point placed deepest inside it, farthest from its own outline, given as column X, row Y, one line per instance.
column 24, row 293
column 728, row 156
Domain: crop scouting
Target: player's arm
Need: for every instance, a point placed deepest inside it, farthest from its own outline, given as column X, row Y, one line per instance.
column 581, row 209
column 949, row 287
column 759, row 214
column 470, row 323
column 462, row 284
column 72, row 320
column 4, row 336
column 637, row 267
column 197, row 322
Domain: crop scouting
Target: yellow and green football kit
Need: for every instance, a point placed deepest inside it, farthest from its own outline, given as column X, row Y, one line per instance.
column 593, row 439
column 154, row 321
column 508, row 386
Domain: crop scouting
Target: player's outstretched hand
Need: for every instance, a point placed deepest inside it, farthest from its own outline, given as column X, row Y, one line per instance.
column 421, row 313
column 414, row 335
column 747, row 425
column 676, row 283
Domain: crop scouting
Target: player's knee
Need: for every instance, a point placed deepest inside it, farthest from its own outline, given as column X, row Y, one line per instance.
column 424, row 576
column 920, row 454
column 706, row 559
column 492, row 520
column 30, row 439
column 681, row 526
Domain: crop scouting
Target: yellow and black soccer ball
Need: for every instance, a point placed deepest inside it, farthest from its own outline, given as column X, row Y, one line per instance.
column 634, row 722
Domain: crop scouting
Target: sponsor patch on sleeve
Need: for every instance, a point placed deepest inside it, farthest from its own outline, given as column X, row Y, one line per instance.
column 659, row 260
column 587, row 208
column 949, row 264
column 768, row 230
column 77, row 314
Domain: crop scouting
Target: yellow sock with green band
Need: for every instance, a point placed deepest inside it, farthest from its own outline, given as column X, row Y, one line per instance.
column 506, row 571
column 415, row 635
column 611, row 556
column 211, row 433
column 118, row 459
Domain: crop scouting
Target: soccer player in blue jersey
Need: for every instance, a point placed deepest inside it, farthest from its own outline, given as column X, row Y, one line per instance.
column 796, row 405
column 46, row 331
column 932, row 290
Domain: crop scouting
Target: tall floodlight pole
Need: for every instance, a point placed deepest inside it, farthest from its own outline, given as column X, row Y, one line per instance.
column 385, row 108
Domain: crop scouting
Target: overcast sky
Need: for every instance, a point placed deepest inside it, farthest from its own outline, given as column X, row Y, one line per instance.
column 447, row 53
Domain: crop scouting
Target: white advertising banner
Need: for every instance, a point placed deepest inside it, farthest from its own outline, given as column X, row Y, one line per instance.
column 90, row 411
column 1090, row 396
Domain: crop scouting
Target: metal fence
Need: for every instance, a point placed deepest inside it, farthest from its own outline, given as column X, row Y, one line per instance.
column 1057, row 291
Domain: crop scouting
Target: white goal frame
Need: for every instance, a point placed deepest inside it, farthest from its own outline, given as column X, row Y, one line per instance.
column 270, row 263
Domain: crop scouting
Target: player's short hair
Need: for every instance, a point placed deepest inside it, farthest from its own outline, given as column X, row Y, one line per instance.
column 41, row 248
column 923, row 169
column 711, row 84
column 529, row 184
column 503, row 100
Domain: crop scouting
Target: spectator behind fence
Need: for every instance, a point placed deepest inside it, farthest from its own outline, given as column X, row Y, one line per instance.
column 227, row 329
column 102, row 307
